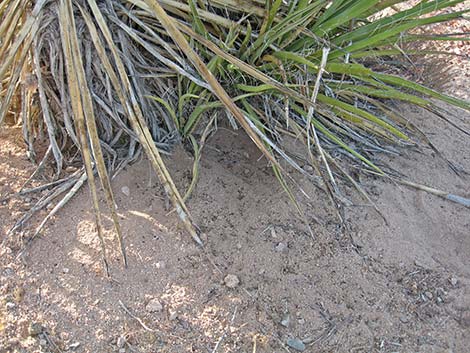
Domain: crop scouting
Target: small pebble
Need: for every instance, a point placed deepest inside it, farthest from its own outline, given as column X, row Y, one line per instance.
column 296, row 344
column 50, row 206
column 74, row 345
column 428, row 295
column 239, row 246
column 308, row 168
column 404, row 319
column 246, row 171
column 13, row 342
column 281, row 247
column 420, row 264
column 453, row 281
column 65, row 270
column 71, row 169
column 121, row 341
column 122, row 350
column 42, row 342
column 173, row 315
column 231, row 281
column 161, row 265
column 10, row 305
column 8, row 271
column 126, row 191
column 273, row 232
column 35, row 329
column 153, row 306
column 285, row 320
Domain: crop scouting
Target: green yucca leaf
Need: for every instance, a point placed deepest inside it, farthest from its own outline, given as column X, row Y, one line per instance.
column 362, row 113
column 169, row 108
column 196, row 20
column 390, row 35
column 385, row 23
column 406, row 84
column 339, row 15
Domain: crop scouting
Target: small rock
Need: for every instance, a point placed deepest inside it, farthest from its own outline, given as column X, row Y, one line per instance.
column 161, row 265
column 153, row 306
column 453, row 281
column 420, row 264
column 27, row 199
column 65, row 270
column 42, row 342
column 10, row 305
column 173, row 315
column 35, row 329
column 74, row 345
column 441, row 292
column 296, row 344
column 71, row 169
column 126, row 191
column 121, row 341
column 13, row 342
column 281, row 247
column 50, row 206
column 246, row 172
column 231, row 281
column 428, row 295
column 308, row 168
column 285, row 320
column 301, row 321
column 8, row 271
column 246, row 155
column 273, row 232
column 122, row 350
column 239, row 246
column 404, row 319
column 439, row 300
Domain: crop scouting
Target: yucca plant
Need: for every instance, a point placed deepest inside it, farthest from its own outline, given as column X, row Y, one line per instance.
column 113, row 78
